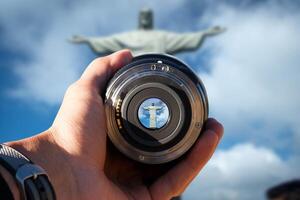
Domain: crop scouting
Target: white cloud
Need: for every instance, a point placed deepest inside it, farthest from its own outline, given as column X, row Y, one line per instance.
column 244, row 171
column 253, row 86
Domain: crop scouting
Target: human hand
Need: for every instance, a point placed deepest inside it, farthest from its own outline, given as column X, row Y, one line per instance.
column 82, row 164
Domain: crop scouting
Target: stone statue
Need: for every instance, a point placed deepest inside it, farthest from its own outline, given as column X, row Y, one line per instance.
column 148, row 40
column 152, row 111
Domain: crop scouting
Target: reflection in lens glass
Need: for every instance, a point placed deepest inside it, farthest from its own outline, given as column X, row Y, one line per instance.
column 153, row 113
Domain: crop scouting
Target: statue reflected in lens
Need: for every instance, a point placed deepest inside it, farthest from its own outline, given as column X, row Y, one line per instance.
column 153, row 113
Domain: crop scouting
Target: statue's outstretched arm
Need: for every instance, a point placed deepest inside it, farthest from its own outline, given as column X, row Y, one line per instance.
column 214, row 31
column 180, row 42
column 78, row 39
column 145, row 108
column 159, row 108
column 100, row 45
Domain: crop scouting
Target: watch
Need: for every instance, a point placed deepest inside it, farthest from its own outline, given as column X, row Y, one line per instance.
column 32, row 180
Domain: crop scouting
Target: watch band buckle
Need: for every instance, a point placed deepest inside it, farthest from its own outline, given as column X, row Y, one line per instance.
column 28, row 171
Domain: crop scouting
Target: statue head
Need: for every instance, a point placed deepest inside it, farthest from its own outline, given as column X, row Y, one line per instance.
column 146, row 19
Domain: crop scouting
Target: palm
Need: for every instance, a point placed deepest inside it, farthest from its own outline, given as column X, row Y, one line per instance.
column 125, row 175
column 131, row 177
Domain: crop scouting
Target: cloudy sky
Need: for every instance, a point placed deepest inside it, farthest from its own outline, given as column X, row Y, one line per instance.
column 251, row 73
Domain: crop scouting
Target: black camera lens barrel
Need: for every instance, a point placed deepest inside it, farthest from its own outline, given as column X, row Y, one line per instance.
column 155, row 108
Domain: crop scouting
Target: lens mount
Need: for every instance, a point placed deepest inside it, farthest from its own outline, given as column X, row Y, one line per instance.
column 155, row 108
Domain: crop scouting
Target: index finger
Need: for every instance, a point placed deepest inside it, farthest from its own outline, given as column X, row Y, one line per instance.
column 179, row 177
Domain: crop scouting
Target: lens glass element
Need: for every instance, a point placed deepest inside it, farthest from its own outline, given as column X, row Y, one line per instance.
column 153, row 113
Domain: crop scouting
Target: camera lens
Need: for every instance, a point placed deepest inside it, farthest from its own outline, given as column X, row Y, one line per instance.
column 155, row 108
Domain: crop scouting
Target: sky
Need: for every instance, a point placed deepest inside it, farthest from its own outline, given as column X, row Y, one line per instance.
column 251, row 73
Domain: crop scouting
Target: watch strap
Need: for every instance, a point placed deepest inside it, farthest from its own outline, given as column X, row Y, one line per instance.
column 32, row 179
column 11, row 159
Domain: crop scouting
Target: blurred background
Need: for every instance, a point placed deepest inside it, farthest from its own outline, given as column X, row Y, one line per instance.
column 251, row 73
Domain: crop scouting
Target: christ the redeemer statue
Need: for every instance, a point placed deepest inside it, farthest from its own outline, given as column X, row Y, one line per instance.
column 152, row 111
column 148, row 40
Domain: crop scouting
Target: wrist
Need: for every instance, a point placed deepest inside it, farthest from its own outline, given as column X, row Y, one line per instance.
column 43, row 151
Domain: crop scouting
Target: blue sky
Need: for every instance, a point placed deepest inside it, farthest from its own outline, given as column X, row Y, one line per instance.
column 251, row 73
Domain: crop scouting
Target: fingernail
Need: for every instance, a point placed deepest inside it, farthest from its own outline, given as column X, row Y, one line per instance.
column 214, row 125
column 210, row 123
